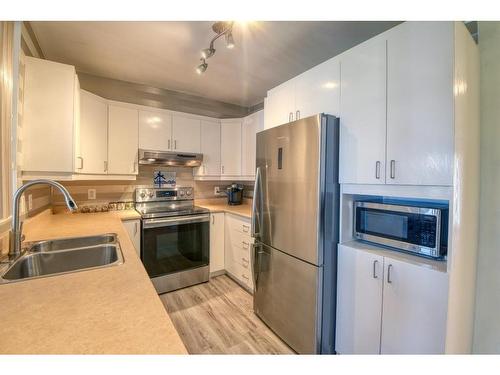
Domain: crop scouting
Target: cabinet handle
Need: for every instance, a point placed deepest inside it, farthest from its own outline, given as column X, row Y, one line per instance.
column 81, row 162
column 393, row 169
column 389, row 268
column 213, row 219
column 375, row 269
column 168, row 146
column 297, row 115
column 135, row 167
column 290, row 117
column 244, row 276
column 175, row 144
column 135, row 229
column 245, row 261
column 377, row 170
column 222, row 169
column 244, row 244
column 245, row 228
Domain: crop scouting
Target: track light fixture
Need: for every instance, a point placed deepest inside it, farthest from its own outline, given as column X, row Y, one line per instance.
column 202, row 67
column 220, row 28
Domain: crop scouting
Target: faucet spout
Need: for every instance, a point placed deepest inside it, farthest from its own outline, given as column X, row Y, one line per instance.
column 16, row 231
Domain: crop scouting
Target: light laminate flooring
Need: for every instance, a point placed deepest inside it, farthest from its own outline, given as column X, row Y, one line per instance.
column 217, row 318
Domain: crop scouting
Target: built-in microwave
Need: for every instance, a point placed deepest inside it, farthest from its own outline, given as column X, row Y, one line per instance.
column 421, row 229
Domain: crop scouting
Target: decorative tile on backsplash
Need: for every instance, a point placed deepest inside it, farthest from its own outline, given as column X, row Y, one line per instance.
column 123, row 191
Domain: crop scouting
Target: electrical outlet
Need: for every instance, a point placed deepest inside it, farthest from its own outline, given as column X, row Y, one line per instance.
column 30, row 202
column 217, row 190
column 91, row 193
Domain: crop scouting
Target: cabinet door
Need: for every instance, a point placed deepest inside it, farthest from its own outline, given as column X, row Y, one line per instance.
column 363, row 113
column 123, row 140
column 155, row 130
column 359, row 301
column 186, row 134
column 318, row 90
column 280, row 105
column 93, row 133
column 230, row 147
column 210, row 148
column 49, row 116
column 216, row 242
column 251, row 126
column 420, row 104
column 133, row 228
column 414, row 309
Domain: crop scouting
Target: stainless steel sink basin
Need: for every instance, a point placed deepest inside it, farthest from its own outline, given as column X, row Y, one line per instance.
column 54, row 257
column 72, row 243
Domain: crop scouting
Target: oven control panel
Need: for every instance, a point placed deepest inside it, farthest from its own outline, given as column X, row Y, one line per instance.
column 163, row 194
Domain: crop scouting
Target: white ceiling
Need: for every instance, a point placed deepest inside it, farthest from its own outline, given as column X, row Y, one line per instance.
column 165, row 54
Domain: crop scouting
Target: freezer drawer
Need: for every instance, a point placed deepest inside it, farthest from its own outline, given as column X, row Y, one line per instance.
column 286, row 297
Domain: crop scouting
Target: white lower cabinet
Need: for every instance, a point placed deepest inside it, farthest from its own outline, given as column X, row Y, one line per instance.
column 237, row 247
column 359, row 301
column 216, row 242
column 414, row 310
column 389, row 306
column 133, row 228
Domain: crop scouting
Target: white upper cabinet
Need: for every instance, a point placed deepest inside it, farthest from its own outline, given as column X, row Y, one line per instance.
column 51, row 118
column 186, row 134
column 280, row 105
column 415, row 307
column 363, row 113
column 93, row 133
column 314, row 91
column 252, row 124
column 420, row 101
column 123, row 133
column 230, row 147
column 155, row 130
column 359, row 301
column 318, row 90
column 210, row 148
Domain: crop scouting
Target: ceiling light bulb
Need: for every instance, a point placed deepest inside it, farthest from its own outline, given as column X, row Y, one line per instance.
column 207, row 52
column 202, row 67
column 229, row 40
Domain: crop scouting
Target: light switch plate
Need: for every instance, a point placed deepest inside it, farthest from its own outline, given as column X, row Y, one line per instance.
column 91, row 193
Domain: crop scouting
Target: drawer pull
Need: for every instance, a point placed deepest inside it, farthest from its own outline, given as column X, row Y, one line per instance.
column 245, row 276
column 246, row 228
column 245, row 244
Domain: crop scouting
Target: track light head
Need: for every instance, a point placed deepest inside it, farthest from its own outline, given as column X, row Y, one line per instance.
column 207, row 52
column 229, row 40
column 200, row 69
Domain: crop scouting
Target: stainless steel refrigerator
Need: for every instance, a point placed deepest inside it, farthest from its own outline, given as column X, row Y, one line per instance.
column 295, row 226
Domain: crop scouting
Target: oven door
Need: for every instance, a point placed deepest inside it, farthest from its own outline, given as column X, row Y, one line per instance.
column 414, row 229
column 175, row 244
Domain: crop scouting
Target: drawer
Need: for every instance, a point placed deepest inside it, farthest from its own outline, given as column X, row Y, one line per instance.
column 239, row 225
column 244, row 275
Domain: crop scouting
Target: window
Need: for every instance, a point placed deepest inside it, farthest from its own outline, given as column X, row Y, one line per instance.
column 6, row 89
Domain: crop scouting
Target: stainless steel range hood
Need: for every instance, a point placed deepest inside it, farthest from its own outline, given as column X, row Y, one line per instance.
column 169, row 158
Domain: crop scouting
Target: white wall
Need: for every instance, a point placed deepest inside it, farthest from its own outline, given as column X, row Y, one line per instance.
column 487, row 315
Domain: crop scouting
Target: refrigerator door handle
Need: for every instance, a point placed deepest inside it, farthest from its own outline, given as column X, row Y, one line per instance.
column 254, row 253
column 256, row 192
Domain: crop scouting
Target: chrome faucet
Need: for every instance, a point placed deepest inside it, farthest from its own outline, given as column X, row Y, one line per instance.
column 16, row 232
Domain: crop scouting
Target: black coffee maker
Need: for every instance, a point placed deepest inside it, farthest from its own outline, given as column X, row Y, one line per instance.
column 234, row 194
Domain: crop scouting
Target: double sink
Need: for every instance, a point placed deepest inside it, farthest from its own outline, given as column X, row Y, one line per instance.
column 66, row 255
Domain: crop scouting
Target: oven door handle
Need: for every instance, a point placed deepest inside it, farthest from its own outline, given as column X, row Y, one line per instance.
column 167, row 222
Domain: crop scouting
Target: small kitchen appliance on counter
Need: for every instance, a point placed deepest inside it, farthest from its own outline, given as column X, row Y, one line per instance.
column 234, row 194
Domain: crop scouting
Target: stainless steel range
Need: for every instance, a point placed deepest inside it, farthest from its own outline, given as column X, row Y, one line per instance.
column 175, row 237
